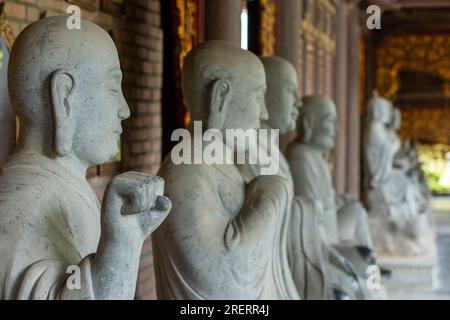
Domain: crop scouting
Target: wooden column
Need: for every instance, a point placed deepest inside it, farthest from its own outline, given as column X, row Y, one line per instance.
column 289, row 14
column 289, row 24
column 223, row 20
column 340, row 97
column 354, row 116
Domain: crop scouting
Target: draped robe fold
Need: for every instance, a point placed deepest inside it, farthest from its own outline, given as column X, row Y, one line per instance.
column 49, row 220
column 206, row 250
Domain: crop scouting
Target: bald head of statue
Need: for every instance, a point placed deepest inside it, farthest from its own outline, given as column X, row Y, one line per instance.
column 380, row 110
column 317, row 123
column 65, row 87
column 224, row 86
column 282, row 99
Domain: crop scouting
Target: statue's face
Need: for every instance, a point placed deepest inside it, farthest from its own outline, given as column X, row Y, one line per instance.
column 283, row 102
column 247, row 100
column 103, row 106
column 324, row 127
column 385, row 112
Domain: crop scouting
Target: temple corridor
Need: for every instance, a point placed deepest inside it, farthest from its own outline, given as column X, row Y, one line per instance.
column 357, row 91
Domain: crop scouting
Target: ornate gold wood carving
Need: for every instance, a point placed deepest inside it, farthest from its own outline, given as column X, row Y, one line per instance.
column 421, row 53
column 5, row 29
column 187, row 31
column 268, row 27
column 187, row 38
column 418, row 53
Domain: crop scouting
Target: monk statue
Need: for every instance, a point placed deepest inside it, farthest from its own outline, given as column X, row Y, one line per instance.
column 319, row 271
column 396, row 203
column 223, row 239
column 56, row 241
column 345, row 220
column 407, row 160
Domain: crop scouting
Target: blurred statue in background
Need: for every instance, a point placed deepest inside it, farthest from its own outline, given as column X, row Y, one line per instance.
column 399, row 208
column 344, row 224
column 319, row 270
column 225, row 238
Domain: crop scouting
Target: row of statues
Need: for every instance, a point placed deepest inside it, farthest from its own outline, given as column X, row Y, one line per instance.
column 231, row 233
column 398, row 197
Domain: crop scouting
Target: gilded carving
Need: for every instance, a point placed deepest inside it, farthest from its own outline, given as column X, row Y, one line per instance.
column 268, row 27
column 420, row 53
column 5, row 29
column 187, row 32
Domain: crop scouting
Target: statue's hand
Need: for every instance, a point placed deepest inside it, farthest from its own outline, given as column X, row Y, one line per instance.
column 133, row 207
column 267, row 193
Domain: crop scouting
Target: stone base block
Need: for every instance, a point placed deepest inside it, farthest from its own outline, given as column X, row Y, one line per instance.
column 409, row 273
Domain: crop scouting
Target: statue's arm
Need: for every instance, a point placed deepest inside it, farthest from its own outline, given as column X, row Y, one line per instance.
column 133, row 207
column 258, row 216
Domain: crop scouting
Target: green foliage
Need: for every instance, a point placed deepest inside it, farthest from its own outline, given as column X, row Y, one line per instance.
column 434, row 159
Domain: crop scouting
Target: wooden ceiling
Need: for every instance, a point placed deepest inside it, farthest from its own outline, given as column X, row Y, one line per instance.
column 412, row 16
column 395, row 5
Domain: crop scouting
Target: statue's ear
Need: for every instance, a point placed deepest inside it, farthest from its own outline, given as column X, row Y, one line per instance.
column 220, row 91
column 62, row 85
column 307, row 125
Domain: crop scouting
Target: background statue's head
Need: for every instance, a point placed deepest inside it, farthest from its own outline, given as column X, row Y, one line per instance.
column 65, row 87
column 281, row 99
column 224, row 86
column 396, row 119
column 380, row 110
column 317, row 123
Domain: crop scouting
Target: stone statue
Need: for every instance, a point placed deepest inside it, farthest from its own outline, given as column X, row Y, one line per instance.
column 56, row 241
column 223, row 239
column 345, row 226
column 328, row 274
column 7, row 117
column 396, row 203
column 407, row 160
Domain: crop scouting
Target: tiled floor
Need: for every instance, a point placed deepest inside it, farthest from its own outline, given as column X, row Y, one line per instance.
column 442, row 291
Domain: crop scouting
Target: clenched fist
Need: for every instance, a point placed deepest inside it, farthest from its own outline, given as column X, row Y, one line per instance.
column 133, row 207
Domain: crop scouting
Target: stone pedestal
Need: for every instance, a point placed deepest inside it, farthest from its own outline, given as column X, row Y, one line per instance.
column 409, row 274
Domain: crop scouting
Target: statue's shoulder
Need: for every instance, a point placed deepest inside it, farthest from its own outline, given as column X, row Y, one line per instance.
column 183, row 171
column 25, row 188
column 298, row 151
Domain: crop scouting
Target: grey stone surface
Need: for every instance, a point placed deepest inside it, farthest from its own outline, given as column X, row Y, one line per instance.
column 65, row 87
column 225, row 236
column 401, row 221
column 344, row 223
column 441, row 286
column 317, row 267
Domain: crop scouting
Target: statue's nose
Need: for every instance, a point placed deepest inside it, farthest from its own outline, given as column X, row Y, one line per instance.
column 264, row 113
column 124, row 112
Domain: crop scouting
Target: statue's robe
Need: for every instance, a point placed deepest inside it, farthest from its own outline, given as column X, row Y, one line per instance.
column 301, row 245
column 401, row 198
column 397, row 201
column 345, row 219
column 314, row 273
column 49, row 220
column 208, row 249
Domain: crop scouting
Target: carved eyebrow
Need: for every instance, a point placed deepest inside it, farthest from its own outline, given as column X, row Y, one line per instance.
column 263, row 87
column 115, row 74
